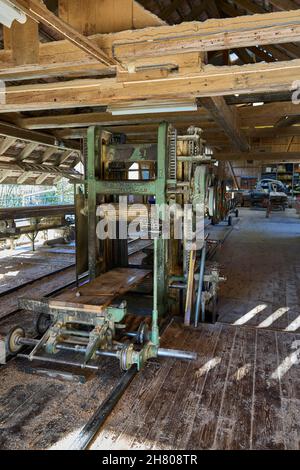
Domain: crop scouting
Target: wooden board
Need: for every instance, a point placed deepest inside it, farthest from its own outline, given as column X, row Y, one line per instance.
column 101, row 291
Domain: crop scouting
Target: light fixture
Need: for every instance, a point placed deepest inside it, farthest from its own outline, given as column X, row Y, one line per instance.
column 9, row 13
column 152, row 107
column 258, row 103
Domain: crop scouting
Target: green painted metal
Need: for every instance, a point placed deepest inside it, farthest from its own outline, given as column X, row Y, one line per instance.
column 157, row 188
column 161, row 200
column 93, row 137
column 146, row 188
column 131, row 152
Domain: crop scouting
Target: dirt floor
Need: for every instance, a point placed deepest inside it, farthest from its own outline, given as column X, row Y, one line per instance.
column 241, row 393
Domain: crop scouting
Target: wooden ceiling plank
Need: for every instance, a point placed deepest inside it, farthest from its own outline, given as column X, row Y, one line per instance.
column 249, row 6
column 42, row 178
column 134, row 47
column 25, row 176
column 220, row 34
column 284, row 4
column 4, row 175
column 48, row 154
column 17, row 132
column 65, row 156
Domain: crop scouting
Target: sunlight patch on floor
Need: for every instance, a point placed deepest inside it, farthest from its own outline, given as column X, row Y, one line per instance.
column 242, row 372
column 208, row 366
column 290, row 361
column 248, row 316
column 66, row 442
column 294, row 325
column 273, row 317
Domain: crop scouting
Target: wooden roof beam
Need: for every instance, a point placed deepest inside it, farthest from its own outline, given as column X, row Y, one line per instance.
column 15, row 132
column 40, row 13
column 259, row 156
column 220, row 34
column 212, row 81
column 150, row 46
column 227, row 119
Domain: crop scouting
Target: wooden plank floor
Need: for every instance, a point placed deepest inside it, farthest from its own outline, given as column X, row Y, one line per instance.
column 241, row 393
column 262, row 264
column 26, row 266
column 38, row 413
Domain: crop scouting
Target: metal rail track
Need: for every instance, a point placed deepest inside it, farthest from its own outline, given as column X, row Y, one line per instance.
column 97, row 420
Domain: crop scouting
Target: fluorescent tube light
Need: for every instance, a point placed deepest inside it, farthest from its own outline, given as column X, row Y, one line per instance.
column 152, row 108
column 9, row 13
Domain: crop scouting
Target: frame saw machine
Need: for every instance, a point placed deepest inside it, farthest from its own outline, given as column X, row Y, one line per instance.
column 90, row 320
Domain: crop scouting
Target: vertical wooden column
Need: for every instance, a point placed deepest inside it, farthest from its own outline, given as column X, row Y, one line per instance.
column 23, row 40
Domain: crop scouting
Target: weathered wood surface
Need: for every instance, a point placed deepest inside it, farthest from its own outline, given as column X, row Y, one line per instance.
column 230, row 398
column 241, row 393
column 101, row 291
column 20, row 268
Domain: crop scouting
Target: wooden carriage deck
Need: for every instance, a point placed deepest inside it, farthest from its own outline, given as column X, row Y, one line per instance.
column 102, row 291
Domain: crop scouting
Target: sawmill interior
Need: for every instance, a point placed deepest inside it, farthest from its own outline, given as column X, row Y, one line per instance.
column 149, row 225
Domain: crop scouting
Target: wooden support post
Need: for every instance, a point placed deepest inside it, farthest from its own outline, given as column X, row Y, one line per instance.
column 24, row 42
column 39, row 12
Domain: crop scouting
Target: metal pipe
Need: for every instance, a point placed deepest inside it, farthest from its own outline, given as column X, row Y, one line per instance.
column 178, row 286
column 177, row 354
column 200, row 285
column 64, row 347
column 59, row 361
column 161, row 352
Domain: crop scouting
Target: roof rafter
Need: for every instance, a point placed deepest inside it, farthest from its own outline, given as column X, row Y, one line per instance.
column 227, row 119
